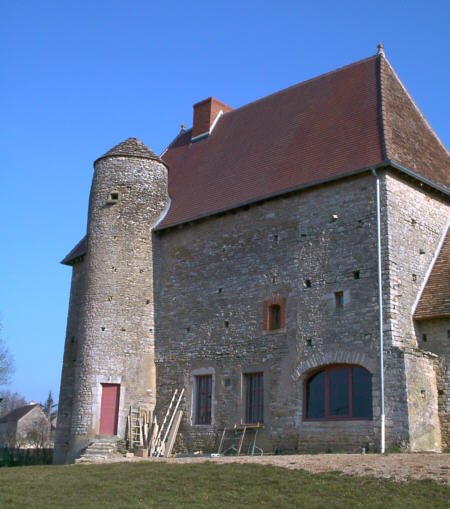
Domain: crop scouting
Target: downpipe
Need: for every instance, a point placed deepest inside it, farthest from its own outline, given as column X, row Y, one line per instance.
column 380, row 316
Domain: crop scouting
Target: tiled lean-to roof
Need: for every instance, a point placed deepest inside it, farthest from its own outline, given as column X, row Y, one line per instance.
column 434, row 302
column 77, row 252
column 337, row 124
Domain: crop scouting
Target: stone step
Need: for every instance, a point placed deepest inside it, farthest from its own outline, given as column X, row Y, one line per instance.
column 100, row 449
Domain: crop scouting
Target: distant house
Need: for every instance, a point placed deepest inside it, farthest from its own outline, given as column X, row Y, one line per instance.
column 25, row 427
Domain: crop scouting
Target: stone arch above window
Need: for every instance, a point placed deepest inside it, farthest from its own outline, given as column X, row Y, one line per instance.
column 340, row 356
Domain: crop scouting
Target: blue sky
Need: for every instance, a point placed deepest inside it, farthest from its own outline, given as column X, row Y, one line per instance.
column 76, row 78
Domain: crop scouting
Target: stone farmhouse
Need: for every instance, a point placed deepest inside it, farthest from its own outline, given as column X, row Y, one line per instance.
column 285, row 262
column 25, row 427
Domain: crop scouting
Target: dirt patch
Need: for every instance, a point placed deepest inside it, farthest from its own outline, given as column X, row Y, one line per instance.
column 400, row 467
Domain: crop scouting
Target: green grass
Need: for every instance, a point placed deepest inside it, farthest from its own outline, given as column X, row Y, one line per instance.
column 206, row 485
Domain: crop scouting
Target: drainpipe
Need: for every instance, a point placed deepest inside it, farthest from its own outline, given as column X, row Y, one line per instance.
column 380, row 315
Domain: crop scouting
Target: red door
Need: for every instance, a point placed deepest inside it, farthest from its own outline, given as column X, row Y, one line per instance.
column 109, row 411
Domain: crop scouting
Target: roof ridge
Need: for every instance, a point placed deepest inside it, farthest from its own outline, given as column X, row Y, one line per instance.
column 413, row 102
column 278, row 92
column 301, row 83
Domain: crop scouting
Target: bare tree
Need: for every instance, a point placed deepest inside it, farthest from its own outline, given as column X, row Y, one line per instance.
column 6, row 362
column 10, row 401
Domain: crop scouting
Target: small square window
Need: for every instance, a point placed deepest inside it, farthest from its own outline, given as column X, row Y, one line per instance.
column 113, row 197
column 424, row 337
column 339, row 299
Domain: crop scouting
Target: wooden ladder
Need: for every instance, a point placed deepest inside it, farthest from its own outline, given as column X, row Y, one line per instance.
column 165, row 438
column 135, row 425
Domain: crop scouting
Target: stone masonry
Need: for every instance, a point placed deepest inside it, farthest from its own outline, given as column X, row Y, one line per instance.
column 249, row 252
column 110, row 334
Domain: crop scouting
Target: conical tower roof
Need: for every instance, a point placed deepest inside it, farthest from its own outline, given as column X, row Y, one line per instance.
column 132, row 147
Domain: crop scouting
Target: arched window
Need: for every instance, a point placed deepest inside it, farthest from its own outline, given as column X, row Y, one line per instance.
column 339, row 392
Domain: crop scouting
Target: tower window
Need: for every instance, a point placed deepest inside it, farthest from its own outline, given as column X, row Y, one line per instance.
column 113, row 197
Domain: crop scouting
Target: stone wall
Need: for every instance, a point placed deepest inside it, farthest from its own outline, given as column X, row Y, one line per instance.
column 414, row 223
column 213, row 279
column 116, row 318
column 69, row 367
column 423, row 416
column 434, row 336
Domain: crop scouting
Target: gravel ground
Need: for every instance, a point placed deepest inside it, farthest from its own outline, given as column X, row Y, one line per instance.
column 400, row 467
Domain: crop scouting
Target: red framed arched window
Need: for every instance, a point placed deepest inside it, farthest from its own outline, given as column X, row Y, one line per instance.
column 339, row 391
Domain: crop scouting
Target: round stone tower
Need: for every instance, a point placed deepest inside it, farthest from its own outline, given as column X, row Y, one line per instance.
column 115, row 351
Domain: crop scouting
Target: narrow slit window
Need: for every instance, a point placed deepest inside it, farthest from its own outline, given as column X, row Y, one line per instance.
column 274, row 317
column 339, row 299
column 274, row 314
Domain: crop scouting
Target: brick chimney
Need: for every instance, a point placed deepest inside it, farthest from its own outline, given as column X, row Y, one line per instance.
column 206, row 113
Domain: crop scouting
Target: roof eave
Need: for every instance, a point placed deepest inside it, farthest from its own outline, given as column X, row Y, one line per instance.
column 438, row 187
column 276, row 194
column 437, row 316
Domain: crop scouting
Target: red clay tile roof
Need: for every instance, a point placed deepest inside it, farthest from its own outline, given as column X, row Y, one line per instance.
column 435, row 299
column 319, row 129
column 409, row 139
column 330, row 126
column 324, row 128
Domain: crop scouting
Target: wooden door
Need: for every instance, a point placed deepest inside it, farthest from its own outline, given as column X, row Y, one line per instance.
column 109, row 411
